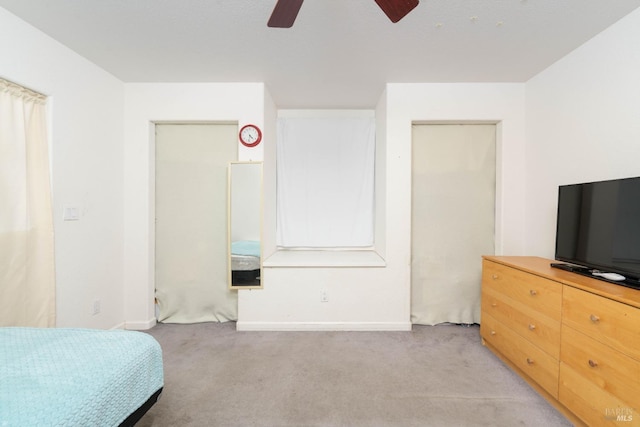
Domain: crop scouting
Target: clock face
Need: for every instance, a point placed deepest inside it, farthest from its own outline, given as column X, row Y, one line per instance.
column 250, row 135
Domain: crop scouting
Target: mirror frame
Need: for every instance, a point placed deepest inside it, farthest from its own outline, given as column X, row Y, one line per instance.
column 230, row 174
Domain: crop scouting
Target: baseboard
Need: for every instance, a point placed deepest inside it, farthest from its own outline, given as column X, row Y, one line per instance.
column 140, row 325
column 322, row 326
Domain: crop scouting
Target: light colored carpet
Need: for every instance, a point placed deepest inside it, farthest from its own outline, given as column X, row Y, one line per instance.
column 431, row 376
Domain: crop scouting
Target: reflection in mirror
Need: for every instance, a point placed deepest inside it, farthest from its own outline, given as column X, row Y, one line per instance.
column 245, row 224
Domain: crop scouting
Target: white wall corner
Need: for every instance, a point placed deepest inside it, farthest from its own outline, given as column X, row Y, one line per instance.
column 141, row 325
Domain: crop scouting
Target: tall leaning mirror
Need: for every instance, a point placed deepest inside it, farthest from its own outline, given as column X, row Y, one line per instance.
column 245, row 225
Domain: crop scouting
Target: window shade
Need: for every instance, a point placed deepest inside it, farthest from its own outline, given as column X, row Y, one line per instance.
column 325, row 182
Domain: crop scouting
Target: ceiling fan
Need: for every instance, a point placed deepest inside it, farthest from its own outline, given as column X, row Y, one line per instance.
column 285, row 11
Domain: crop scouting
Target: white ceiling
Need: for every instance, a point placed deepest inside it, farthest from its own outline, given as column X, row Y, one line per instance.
column 339, row 53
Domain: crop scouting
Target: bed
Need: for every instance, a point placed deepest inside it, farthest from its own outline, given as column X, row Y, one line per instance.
column 245, row 263
column 77, row 377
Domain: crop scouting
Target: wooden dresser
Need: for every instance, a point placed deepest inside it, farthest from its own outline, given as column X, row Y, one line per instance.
column 574, row 339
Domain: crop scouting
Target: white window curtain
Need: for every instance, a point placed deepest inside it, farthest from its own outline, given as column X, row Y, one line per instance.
column 27, row 275
column 325, row 182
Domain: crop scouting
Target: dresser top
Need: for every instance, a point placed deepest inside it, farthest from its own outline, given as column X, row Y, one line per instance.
column 542, row 267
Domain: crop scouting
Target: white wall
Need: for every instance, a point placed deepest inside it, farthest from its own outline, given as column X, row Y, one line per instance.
column 269, row 181
column 363, row 298
column 583, row 124
column 86, row 108
column 577, row 120
column 145, row 104
column 501, row 103
column 291, row 298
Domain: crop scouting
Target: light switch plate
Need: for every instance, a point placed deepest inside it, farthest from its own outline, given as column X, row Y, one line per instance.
column 71, row 213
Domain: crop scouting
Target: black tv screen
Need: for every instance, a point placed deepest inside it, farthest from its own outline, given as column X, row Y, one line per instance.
column 598, row 226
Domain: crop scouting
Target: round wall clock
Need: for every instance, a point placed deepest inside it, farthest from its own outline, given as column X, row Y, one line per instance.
column 250, row 135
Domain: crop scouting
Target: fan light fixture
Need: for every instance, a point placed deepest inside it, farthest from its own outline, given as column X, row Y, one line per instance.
column 285, row 11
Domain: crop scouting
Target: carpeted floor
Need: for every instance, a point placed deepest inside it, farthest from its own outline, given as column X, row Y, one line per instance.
column 431, row 376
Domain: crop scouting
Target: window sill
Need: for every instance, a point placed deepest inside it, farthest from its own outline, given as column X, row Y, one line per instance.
column 326, row 258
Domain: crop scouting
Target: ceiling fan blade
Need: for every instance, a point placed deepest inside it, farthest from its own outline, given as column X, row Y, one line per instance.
column 284, row 13
column 397, row 9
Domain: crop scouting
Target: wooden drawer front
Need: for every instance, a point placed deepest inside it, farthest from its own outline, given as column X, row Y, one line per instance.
column 610, row 371
column 591, row 403
column 610, row 322
column 542, row 368
column 540, row 330
column 542, row 295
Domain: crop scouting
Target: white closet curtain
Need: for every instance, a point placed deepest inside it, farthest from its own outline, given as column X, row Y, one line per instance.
column 325, row 185
column 453, row 217
column 27, row 274
column 191, row 222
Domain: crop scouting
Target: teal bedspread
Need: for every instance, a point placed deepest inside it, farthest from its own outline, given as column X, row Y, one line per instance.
column 75, row 377
column 246, row 247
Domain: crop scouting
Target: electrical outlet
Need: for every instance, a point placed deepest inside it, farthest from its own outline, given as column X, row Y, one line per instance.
column 96, row 307
column 324, row 296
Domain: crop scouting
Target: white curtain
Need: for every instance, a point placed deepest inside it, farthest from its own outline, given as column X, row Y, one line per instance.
column 453, row 216
column 191, row 222
column 27, row 274
column 325, row 182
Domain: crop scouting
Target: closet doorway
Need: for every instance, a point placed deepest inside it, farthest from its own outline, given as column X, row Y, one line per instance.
column 453, row 219
column 191, row 222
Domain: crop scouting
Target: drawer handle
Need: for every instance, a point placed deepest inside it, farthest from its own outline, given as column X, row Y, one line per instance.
column 592, row 363
column 494, row 276
column 594, row 318
column 532, row 327
column 493, row 332
column 533, row 292
column 529, row 361
column 494, row 304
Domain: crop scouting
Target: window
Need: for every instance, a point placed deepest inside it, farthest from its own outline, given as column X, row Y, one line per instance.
column 325, row 181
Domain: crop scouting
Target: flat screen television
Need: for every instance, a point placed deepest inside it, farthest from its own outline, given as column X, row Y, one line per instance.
column 598, row 230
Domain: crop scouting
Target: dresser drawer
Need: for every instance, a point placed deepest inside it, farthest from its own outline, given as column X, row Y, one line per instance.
column 541, row 330
column 610, row 322
column 538, row 365
column 592, row 404
column 541, row 295
column 614, row 374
